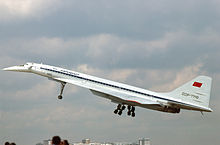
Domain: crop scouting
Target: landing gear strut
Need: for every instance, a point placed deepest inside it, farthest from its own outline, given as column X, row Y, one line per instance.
column 61, row 91
column 120, row 108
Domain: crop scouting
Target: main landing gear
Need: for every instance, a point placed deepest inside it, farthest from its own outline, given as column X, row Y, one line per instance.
column 120, row 108
column 61, row 91
column 131, row 110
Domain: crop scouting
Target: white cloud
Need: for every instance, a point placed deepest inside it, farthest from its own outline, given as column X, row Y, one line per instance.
column 84, row 68
column 102, row 46
column 50, row 46
column 115, row 74
column 12, row 9
column 179, row 77
column 121, row 75
column 105, row 44
column 29, row 94
column 109, row 49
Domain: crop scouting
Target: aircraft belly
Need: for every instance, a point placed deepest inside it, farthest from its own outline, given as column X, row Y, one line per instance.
column 188, row 107
column 115, row 95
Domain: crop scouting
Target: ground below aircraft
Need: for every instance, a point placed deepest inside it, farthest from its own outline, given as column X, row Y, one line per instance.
column 193, row 95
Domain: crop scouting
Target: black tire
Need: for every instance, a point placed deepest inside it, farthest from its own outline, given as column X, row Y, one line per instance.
column 60, row 97
column 116, row 111
column 129, row 107
column 132, row 108
column 119, row 106
column 120, row 112
column 178, row 110
column 129, row 113
column 133, row 114
column 123, row 107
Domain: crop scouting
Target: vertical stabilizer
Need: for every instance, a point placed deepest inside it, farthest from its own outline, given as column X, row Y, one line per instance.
column 196, row 91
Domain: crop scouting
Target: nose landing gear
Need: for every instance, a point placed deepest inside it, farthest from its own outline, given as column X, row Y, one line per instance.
column 61, row 91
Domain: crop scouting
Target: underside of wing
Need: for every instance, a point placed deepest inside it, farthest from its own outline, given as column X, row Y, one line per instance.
column 122, row 98
column 114, row 95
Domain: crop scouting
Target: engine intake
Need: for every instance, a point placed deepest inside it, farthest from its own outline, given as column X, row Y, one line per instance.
column 171, row 109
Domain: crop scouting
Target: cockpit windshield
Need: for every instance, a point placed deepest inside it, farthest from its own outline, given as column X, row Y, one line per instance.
column 25, row 64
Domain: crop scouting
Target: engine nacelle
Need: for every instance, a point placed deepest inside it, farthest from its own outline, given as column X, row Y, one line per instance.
column 171, row 109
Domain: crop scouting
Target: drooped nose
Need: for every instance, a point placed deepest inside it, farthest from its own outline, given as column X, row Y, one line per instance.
column 16, row 68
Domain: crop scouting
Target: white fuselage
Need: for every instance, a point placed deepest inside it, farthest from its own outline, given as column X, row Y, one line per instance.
column 117, row 92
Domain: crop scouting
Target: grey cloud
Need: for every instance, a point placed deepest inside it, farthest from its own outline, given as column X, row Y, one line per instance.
column 13, row 10
column 137, row 20
column 91, row 49
column 173, row 50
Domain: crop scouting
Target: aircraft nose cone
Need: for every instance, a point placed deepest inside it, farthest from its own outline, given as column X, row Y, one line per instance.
column 8, row 69
column 16, row 68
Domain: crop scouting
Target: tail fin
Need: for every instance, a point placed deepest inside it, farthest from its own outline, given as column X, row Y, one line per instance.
column 196, row 91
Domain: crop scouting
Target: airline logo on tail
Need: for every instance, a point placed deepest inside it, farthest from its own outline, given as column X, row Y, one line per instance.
column 197, row 84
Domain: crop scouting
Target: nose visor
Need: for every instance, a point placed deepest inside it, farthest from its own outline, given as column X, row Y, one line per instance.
column 17, row 69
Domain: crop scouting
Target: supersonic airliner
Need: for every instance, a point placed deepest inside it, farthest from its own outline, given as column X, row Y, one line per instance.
column 193, row 95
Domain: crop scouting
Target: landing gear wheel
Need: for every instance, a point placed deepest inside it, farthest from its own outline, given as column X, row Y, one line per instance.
column 119, row 106
column 178, row 110
column 129, row 113
column 120, row 112
column 129, row 107
column 132, row 108
column 60, row 97
column 133, row 114
column 116, row 111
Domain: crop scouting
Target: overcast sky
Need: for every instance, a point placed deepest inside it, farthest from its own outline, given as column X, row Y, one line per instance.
column 157, row 45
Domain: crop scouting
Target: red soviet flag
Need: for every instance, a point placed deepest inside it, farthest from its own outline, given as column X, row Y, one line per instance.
column 197, row 84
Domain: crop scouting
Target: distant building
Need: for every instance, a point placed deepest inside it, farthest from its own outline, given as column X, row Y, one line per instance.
column 86, row 141
column 107, row 144
column 47, row 142
column 122, row 143
column 144, row 141
column 141, row 141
